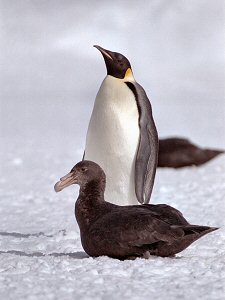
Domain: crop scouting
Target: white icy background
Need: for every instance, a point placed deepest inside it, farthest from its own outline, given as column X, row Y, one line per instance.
column 49, row 77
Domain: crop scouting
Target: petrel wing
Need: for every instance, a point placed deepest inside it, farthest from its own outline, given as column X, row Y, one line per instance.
column 147, row 152
column 134, row 227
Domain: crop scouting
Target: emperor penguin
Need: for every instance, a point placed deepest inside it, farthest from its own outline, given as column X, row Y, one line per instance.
column 122, row 136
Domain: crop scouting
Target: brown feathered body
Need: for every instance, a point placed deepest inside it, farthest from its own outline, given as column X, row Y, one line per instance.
column 179, row 152
column 131, row 231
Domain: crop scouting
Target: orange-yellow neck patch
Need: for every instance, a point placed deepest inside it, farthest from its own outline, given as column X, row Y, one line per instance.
column 129, row 74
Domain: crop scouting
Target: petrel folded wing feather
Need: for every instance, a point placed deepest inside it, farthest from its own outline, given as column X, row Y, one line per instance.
column 146, row 229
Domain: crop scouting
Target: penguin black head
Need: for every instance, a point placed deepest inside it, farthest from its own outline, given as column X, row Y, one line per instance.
column 117, row 64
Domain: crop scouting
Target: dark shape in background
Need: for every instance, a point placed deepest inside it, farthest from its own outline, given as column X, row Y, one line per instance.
column 180, row 152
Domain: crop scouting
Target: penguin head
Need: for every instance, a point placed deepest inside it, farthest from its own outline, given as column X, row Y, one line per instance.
column 117, row 65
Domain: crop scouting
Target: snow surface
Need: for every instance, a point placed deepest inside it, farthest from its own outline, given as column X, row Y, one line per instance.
column 50, row 77
column 40, row 252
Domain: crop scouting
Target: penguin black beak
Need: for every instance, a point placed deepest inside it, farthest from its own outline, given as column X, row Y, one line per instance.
column 105, row 53
column 65, row 181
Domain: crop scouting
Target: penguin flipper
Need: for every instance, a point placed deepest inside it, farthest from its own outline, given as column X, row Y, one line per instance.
column 83, row 155
column 147, row 152
column 152, row 162
column 146, row 164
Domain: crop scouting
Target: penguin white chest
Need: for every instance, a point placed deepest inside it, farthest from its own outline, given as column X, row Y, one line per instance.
column 113, row 137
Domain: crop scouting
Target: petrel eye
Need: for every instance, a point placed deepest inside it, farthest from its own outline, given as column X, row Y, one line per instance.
column 83, row 169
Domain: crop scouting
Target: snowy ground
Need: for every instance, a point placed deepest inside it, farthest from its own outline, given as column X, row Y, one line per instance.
column 50, row 75
column 40, row 252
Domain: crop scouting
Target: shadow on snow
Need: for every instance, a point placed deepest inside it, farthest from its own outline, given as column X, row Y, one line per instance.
column 76, row 255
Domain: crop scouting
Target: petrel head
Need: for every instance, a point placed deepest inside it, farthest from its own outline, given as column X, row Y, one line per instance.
column 117, row 65
column 82, row 173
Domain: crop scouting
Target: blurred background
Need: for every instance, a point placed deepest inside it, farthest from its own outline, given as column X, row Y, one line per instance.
column 50, row 73
column 49, row 77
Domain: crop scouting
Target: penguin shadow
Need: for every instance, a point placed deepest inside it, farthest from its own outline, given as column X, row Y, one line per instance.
column 74, row 255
